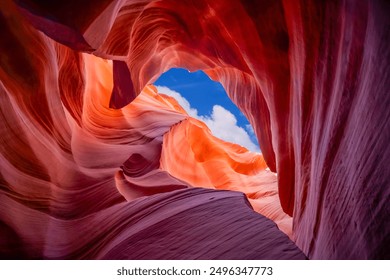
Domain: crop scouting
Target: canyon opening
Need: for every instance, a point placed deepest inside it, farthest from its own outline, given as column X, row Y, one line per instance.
column 99, row 163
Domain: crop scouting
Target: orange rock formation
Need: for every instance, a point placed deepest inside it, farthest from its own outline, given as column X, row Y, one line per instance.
column 82, row 130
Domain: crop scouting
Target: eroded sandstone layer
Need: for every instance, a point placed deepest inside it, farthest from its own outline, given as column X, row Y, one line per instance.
column 85, row 140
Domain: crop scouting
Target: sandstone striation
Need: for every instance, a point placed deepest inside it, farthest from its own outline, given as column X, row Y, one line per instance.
column 85, row 139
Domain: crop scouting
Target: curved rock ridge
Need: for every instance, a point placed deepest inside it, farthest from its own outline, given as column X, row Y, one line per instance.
column 183, row 224
column 191, row 153
column 311, row 76
column 187, row 224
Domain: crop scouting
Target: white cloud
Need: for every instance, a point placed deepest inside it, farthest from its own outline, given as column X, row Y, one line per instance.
column 250, row 129
column 180, row 99
column 222, row 123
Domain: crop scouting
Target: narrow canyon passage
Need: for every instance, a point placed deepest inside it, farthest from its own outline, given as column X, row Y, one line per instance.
column 99, row 163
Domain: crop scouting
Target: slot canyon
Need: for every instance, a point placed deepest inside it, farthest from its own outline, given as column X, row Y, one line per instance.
column 95, row 163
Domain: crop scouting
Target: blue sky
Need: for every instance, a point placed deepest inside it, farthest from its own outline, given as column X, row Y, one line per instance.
column 207, row 100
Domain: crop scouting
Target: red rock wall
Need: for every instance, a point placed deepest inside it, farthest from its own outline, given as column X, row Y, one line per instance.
column 312, row 77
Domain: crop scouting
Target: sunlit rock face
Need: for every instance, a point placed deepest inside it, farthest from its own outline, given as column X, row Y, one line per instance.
column 90, row 154
column 191, row 153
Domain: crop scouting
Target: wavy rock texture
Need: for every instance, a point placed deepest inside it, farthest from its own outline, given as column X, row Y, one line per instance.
column 197, row 224
column 78, row 137
column 192, row 154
